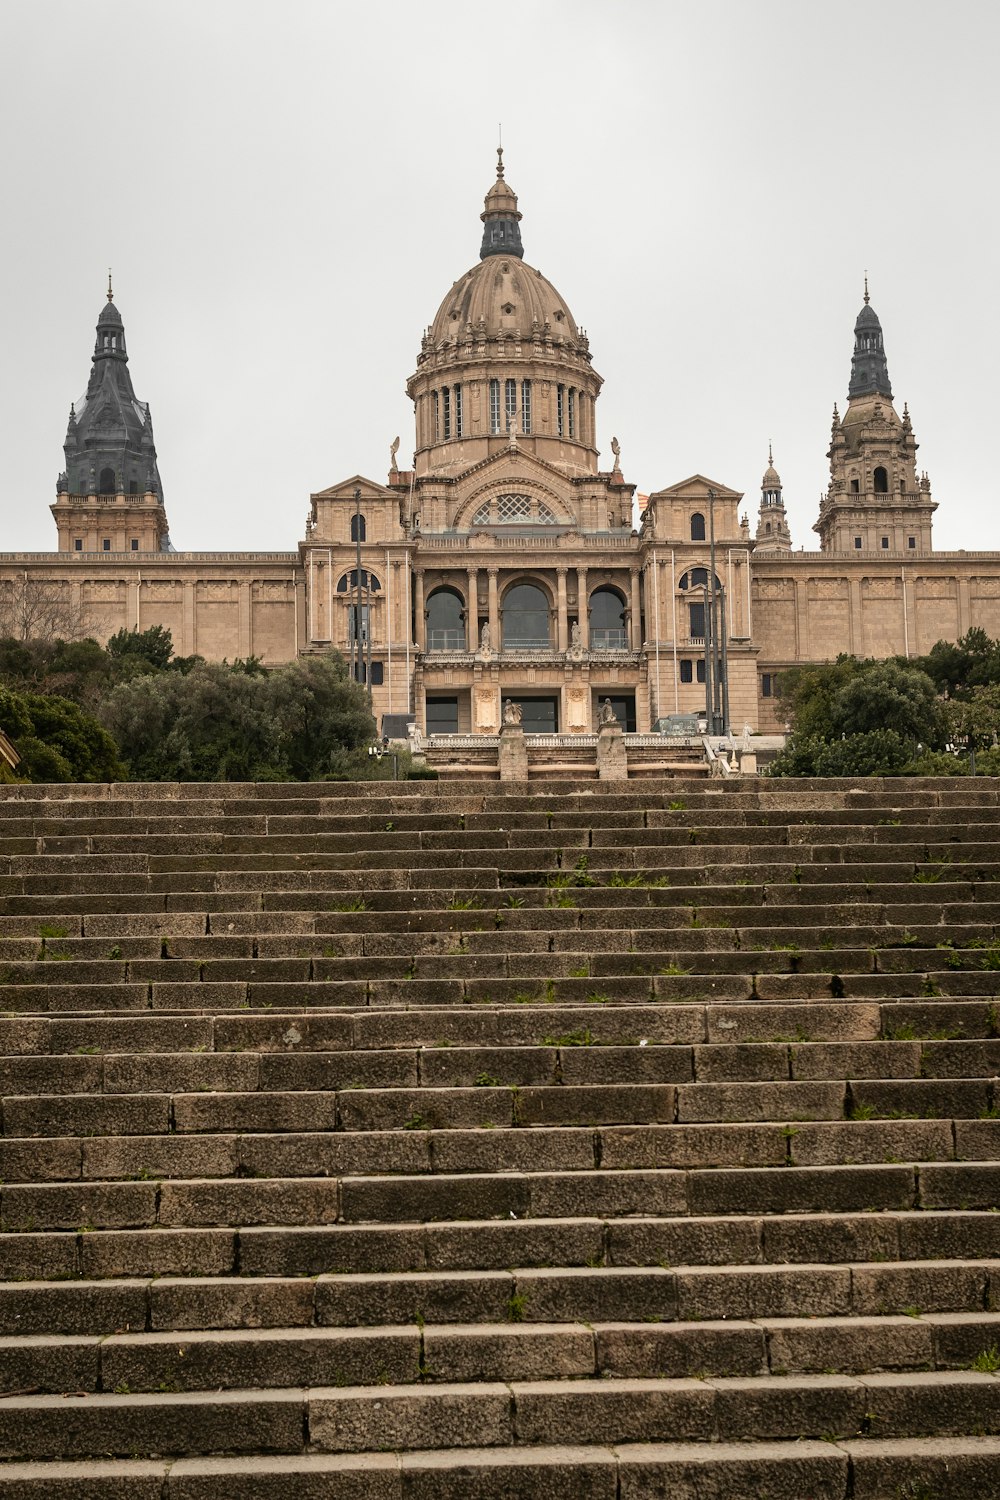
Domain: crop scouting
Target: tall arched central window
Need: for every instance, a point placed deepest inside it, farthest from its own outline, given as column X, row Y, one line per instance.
column 697, row 527
column 607, row 621
column 107, row 482
column 445, row 621
column 525, row 620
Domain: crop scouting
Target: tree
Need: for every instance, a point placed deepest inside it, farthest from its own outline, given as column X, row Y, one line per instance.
column 39, row 609
column 222, row 723
column 150, row 648
column 57, row 740
column 956, row 667
column 889, row 695
column 859, row 718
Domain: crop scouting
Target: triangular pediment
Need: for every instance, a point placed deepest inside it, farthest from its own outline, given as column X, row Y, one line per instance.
column 344, row 490
column 511, row 462
column 696, row 486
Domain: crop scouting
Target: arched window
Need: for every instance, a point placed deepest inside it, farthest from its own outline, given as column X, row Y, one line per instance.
column 107, row 486
column 525, row 618
column 697, row 527
column 445, row 621
column 494, row 406
column 881, row 481
column 607, row 621
column 350, row 581
column 697, row 578
column 358, row 527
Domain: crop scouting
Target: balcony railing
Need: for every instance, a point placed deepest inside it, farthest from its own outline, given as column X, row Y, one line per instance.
column 608, row 640
column 446, row 640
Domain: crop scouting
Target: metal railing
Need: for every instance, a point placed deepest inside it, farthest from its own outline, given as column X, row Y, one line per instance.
column 446, row 640
column 608, row 640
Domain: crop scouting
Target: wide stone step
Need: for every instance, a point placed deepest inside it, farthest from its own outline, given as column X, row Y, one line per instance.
column 524, row 1413
column 867, row 1469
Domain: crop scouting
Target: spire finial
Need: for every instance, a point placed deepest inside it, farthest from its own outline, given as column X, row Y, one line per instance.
column 111, row 295
column 770, row 455
column 866, row 289
column 500, row 162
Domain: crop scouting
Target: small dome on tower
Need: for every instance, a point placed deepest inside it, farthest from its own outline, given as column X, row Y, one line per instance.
column 771, row 479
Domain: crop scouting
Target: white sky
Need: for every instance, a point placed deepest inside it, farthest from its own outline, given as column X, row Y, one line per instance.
column 286, row 190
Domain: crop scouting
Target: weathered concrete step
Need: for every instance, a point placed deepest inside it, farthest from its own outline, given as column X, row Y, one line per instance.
column 525, row 1413
column 529, row 1473
column 633, row 1347
column 722, row 1238
column 868, row 1469
column 562, row 1148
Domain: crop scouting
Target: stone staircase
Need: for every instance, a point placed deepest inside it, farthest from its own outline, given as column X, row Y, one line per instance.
column 448, row 1142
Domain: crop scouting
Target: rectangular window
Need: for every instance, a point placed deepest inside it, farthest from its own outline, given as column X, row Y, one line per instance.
column 857, row 544
column 687, row 670
column 459, row 426
column 352, row 618
column 446, row 412
column 78, row 544
column 765, row 685
column 696, row 620
column 442, row 715
column 571, row 411
column 134, row 544
column 911, row 542
column 885, row 544
column 700, row 674
column 525, row 405
column 106, row 544
column 510, row 404
column 377, row 677
column 560, row 399
column 437, row 414
column 494, row 406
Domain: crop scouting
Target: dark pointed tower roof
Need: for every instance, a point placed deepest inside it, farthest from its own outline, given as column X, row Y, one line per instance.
column 109, row 442
column 501, row 220
column 869, row 370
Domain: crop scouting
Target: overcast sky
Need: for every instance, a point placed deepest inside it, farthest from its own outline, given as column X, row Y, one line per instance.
column 287, row 189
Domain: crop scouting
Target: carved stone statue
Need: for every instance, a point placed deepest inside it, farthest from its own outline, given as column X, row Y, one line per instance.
column 393, row 450
column 606, row 717
column 512, row 713
column 576, row 636
column 486, row 637
column 616, row 449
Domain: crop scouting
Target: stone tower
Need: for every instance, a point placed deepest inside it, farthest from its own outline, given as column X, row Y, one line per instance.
column 875, row 501
column 109, row 497
column 773, row 534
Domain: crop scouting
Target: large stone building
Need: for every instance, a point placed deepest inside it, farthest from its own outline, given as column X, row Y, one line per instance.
column 505, row 563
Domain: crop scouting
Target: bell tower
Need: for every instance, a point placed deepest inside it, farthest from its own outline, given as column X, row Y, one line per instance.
column 876, row 501
column 109, row 497
column 773, row 534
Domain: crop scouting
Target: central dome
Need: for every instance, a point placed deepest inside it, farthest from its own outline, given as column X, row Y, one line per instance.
column 501, row 297
column 504, row 362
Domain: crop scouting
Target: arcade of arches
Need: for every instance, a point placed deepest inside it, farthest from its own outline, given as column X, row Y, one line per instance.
column 507, row 560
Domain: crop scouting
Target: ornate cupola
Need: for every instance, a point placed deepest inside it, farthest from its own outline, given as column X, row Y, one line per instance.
column 504, row 363
column 501, row 235
column 869, row 370
column 875, row 501
column 109, row 496
column 773, row 534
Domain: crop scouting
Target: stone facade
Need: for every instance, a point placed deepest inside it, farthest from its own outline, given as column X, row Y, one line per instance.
column 504, row 563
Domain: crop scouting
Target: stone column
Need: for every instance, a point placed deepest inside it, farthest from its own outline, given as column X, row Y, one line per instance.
column 246, row 624
column 494, row 607
column 583, row 606
column 635, row 614
column 562, row 615
column 472, row 610
column 420, row 618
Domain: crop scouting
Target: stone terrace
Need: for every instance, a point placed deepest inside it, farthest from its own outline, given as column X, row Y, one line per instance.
column 449, row 1142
